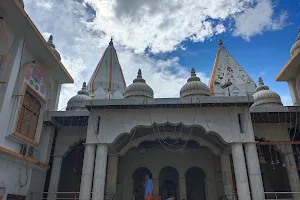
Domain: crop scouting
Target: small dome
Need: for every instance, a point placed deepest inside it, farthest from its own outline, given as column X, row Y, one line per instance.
column 139, row 88
column 296, row 44
column 52, row 46
column 194, row 87
column 264, row 96
column 78, row 101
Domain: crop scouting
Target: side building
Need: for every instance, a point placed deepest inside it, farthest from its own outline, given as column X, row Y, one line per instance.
column 31, row 76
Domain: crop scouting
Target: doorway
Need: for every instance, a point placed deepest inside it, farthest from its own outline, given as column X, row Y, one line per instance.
column 168, row 182
column 138, row 178
column 195, row 184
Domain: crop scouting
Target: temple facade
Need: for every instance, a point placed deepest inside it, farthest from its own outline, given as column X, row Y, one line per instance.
column 232, row 139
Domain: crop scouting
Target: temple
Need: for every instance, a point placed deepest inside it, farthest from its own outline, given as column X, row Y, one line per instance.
column 232, row 139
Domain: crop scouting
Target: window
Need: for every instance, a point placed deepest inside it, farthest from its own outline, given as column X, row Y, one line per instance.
column 29, row 116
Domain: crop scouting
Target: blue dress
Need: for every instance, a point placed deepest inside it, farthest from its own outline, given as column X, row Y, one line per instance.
column 148, row 187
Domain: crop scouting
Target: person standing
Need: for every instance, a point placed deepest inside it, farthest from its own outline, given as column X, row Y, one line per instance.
column 171, row 198
column 148, row 188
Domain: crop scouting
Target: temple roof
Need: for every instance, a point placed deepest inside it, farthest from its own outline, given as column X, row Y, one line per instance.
column 107, row 81
column 227, row 70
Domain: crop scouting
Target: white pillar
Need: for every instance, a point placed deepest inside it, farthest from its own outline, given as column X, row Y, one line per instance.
column 87, row 172
column 112, row 171
column 227, row 176
column 6, row 90
column 182, row 188
column 254, row 173
column 291, row 169
column 294, row 92
column 155, row 186
column 54, row 179
column 100, row 172
column 240, row 171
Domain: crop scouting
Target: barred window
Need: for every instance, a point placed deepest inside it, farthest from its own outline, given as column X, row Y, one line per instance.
column 29, row 115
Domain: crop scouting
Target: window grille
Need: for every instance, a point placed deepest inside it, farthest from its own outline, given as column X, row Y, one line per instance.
column 29, row 115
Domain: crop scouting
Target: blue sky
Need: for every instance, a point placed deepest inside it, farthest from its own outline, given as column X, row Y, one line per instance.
column 167, row 38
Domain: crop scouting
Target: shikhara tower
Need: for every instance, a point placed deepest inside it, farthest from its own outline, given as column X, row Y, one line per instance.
column 107, row 81
column 228, row 78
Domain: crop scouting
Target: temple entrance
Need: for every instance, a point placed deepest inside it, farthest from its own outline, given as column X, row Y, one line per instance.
column 168, row 182
column 195, row 184
column 138, row 178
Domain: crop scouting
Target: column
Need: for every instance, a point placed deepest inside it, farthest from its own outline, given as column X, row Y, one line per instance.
column 112, row 171
column 54, row 178
column 291, row 169
column 227, row 176
column 87, row 172
column 100, row 172
column 6, row 90
column 294, row 92
column 182, row 188
column 241, row 177
column 254, row 173
column 155, row 186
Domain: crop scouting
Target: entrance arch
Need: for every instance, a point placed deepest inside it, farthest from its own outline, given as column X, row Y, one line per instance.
column 168, row 182
column 195, row 184
column 138, row 178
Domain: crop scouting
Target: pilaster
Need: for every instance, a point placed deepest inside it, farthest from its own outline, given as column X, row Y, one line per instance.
column 112, row 171
column 55, row 176
column 227, row 176
column 182, row 188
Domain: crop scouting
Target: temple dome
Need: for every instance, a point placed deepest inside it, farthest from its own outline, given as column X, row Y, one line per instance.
column 194, row 87
column 77, row 102
column 265, row 97
column 139, row 88
column 52, row 46
column 296, row 45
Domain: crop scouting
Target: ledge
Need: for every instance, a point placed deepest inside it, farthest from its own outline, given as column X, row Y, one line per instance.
column 187, row 102
column 20, row 156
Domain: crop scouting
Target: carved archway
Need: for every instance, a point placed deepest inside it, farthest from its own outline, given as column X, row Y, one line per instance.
column 195, row 184
column 168, row 182
column 139, row 134
column 138, row 179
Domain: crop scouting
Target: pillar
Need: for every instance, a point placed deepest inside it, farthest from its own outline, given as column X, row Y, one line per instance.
column 254, row 173
column 87, row 172
column 227, row 176
column 291, row 169
column 112, row 171
column 182, row 188
column 100, row 172
column 240, row 171
column 294, row 91
column 155, row 186
column 54, row 178
column 7, row 88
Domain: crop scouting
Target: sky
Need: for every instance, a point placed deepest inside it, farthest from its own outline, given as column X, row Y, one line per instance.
column 166, row 38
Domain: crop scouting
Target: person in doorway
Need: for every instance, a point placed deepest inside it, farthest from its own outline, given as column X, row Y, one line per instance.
column 171, row 198
column 148, row 188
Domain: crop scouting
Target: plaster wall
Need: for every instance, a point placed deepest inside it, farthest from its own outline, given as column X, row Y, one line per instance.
column 272, row 131
column 156, row 158
column 221, row 120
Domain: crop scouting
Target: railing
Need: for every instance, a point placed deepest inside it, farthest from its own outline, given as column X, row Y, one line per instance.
column 281, row 195
column 62, row 196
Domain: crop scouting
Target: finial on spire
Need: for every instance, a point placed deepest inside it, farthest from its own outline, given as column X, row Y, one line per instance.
column 83, row 86
column 260, row 81
column 298, row 30
column 220, row 42
column 193, row 72
column 139, row 73
column 50, row 41
column 111, row 41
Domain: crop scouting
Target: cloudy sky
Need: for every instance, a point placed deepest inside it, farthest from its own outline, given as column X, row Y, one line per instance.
column 165, row 38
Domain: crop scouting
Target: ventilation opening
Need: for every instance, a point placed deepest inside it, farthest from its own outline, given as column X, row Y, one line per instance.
column 240, row 123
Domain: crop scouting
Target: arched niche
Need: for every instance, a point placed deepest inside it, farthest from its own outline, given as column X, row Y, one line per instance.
column 168, row 182
column 195, row 184
column 138, row 179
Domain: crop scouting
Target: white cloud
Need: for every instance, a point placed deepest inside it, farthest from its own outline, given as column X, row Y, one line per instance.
column 81, row 36
column 256, row 20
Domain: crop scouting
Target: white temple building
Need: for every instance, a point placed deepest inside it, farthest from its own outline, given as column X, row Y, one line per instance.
column 231, row 139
